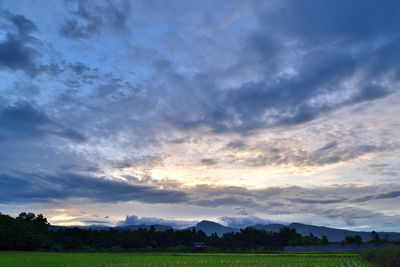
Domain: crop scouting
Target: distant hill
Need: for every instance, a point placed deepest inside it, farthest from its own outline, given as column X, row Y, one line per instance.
column 211, row 227
column 269, row 227
column 158, row 227
column 85, row 227
column 333, row 234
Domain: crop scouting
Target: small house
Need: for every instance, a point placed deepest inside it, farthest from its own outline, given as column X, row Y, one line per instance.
column 198, row 246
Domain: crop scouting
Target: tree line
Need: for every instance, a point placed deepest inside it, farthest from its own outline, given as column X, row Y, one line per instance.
column 29, row 232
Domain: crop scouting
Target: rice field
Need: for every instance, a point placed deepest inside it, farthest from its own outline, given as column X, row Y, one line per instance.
column 25, row 259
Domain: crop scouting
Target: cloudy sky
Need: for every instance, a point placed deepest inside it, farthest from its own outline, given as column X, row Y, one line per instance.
column 172, row 112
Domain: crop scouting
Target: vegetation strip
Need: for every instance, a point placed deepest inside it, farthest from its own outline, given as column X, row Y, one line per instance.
column 179, row 259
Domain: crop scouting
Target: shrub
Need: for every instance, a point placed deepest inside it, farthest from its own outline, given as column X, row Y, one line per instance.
column 388, row 257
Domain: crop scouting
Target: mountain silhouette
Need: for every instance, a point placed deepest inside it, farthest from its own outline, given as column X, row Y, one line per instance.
column 209, row 227
column 333, row 234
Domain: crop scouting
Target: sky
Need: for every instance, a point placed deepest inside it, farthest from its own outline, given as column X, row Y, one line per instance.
column 239, row 112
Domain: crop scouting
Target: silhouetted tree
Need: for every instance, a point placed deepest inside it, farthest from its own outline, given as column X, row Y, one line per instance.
column 31, row 232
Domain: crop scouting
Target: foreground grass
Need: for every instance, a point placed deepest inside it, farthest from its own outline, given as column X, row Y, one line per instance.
column 389, row 256
column 25, row 259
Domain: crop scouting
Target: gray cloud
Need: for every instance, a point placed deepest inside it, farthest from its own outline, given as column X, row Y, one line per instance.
column 327, row 64
column 384, row 169
column 243, row 222
column 145, row 162
column 23, row 121
column 95, row 222
column 179, row 141
column 280, row 151
column 88, row 19
column 71, row 29
column 281, row 201
column 118, row 14
column 348, row 214
column 78, row 168
column 393, row 222
column 89, row 23
column 319, row 22
column 79, row 68
column 238, row 144
column 322, row 201
column 135, row 220
column 208, row 162
column 235, row 222
column 35, row 188
column 21, row 50
column 386, row 195
column 161, row 79
column 16, row 51
column 24, row 25
column 241, row 201
column 317, row 201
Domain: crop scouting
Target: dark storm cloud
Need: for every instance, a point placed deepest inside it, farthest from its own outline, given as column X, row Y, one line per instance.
column 36, row 188
column 24, row 121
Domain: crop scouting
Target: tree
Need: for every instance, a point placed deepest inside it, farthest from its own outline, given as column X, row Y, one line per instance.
column 357, row 239
column 349, row 240
column 375, row 237
column 26, row 217
column 325, row 240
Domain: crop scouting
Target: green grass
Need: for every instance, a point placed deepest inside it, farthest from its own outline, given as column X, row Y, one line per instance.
column 34, row 259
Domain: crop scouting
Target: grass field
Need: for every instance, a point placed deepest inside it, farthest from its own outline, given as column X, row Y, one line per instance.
column 34, row 259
